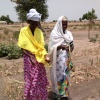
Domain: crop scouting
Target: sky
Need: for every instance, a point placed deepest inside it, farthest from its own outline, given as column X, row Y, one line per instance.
column 72, row 9
column 7, row 8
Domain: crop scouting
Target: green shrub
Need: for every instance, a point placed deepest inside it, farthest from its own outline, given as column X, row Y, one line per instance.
column 3, row 50
column 93, row 39
column 12, row 51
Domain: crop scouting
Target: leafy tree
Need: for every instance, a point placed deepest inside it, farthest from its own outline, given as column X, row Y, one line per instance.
column 54, row 20
column 3, row 18
column 23, row 6
column 90, row 16
column 6, row 18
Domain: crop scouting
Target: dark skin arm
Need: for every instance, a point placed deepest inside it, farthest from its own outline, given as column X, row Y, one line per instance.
column 33, row 25
column 24, row 51
column 47, row 58
column 30, row 56
column 64, row 47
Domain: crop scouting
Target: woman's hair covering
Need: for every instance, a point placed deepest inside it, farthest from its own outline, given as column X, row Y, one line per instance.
column 64, row 18
column 33, row 15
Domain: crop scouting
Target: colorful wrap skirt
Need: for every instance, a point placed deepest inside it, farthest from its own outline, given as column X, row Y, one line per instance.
column 63, row 68
column 35, row 79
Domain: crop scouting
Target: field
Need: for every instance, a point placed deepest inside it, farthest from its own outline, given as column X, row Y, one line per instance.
column 85, row 78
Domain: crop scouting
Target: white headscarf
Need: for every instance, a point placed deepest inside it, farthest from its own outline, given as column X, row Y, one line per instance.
column 33, row 15
column 57, row 37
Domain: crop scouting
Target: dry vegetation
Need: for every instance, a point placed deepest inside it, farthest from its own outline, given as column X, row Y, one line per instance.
column 86, row 59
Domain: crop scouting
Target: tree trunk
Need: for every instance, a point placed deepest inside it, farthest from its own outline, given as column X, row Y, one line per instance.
column 22, row 24
column 89, row 31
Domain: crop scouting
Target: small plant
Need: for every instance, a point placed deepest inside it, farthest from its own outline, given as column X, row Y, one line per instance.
column 93, row 39
column 96, row 35
column 6, row 31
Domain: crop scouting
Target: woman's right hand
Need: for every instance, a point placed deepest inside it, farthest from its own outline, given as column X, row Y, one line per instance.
column 47, row 58
column 32, row 59
column 63, row 47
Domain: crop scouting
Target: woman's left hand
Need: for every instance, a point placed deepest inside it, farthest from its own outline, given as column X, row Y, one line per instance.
column 47, row 58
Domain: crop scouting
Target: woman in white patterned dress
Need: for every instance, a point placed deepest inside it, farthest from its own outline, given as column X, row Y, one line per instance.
column 60, row 46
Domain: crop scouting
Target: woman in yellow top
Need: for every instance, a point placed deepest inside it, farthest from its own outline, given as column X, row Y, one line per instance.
column 31, row 41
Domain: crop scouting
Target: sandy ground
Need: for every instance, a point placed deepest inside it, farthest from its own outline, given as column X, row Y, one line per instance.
column 85, row 80
column 88, row 89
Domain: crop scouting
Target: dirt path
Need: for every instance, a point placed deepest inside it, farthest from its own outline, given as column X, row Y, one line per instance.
column 86, row 90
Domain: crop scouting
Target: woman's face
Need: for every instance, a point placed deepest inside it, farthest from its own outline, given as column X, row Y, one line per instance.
column 64, row 25
column 33, row 24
